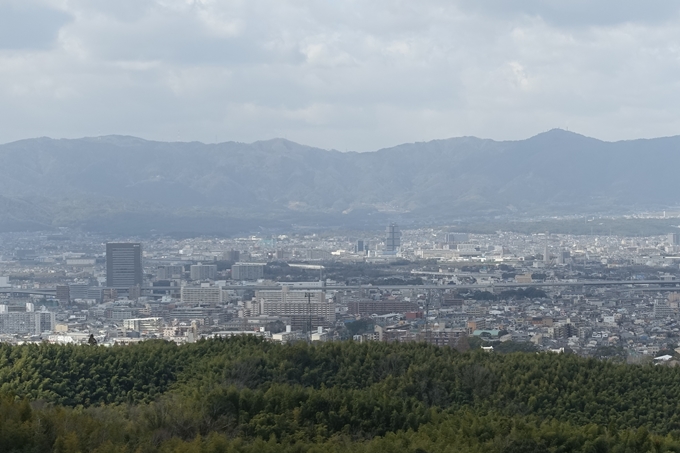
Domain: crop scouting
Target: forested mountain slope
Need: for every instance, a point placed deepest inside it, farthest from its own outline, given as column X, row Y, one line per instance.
column 115, row 181
column 243, row 394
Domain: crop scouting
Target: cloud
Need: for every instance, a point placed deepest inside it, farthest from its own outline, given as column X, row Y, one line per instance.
column 338, row 74
column 579, row 13
column 28, row 26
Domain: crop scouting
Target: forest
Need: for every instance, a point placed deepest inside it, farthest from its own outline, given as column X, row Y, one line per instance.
column 245, row 394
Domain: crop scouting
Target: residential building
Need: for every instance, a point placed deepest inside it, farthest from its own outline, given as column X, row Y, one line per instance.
column 143, row 324
column 201, row 294
column 247, row 271
column 26, row 322
column 170, row 272
column 298, row 305
column 203, row 271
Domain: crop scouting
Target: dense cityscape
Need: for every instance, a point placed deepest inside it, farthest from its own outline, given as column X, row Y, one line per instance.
column 602, row 296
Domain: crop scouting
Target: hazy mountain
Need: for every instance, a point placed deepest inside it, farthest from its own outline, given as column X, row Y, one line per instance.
column 129, row 184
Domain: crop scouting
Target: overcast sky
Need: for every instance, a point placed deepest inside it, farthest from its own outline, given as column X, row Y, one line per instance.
column 343, row 74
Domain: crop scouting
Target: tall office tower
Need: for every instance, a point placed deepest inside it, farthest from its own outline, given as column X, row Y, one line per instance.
column 123, row 265
column 393, row 240
column 359, row 247
column 674, row 238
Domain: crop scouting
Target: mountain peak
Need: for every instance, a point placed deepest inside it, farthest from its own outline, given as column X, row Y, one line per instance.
column 560, row 137
column 558, row 133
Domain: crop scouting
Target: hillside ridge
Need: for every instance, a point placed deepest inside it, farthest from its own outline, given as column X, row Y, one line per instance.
column 277, row 180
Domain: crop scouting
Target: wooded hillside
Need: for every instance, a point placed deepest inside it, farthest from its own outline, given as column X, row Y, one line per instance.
column 244, row 394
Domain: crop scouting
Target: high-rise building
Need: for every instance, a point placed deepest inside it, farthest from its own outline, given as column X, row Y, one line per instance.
column 94, row 293
column 135, row 292
column 361, row 246
column 662, row 310
column 26, row 322
column 232, row 255
column 674, row 238
column 63, row 294
column 456, row 238
column 203, row 271
column 393, row 240
column 77, row 291
column 201, row 294
column 247, row 271
column 170, row 271
column 563, row 256
column 123, row 265
column 318, row 255
column 143, row 324
column 300, row 306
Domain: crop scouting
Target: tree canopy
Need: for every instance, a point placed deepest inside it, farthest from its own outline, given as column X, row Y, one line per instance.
column 246, row 394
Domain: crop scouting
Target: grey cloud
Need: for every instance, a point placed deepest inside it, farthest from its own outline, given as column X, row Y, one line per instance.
column 27, row 26
column 179, row 35
column 579, row 13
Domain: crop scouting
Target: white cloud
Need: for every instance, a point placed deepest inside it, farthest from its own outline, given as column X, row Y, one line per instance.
column 338, row 74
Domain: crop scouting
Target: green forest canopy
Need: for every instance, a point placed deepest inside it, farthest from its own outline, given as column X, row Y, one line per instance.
column 246, row 394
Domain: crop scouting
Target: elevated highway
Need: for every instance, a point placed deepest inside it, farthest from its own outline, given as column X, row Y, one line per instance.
column 641, row 285
column 664, row 284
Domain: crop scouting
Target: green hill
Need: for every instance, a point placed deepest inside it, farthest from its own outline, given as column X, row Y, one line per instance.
column 247, row 395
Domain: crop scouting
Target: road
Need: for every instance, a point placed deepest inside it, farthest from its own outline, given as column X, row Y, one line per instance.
column 644, row 285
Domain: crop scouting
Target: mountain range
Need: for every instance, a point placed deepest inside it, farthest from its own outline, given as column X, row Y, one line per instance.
column 130, row 185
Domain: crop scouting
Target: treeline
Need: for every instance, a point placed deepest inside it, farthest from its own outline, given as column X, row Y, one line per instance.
column 149, row 429
column 72, row 375
column 245, row 394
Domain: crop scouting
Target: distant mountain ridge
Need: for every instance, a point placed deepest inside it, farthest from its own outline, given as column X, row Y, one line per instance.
column 106, row 181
